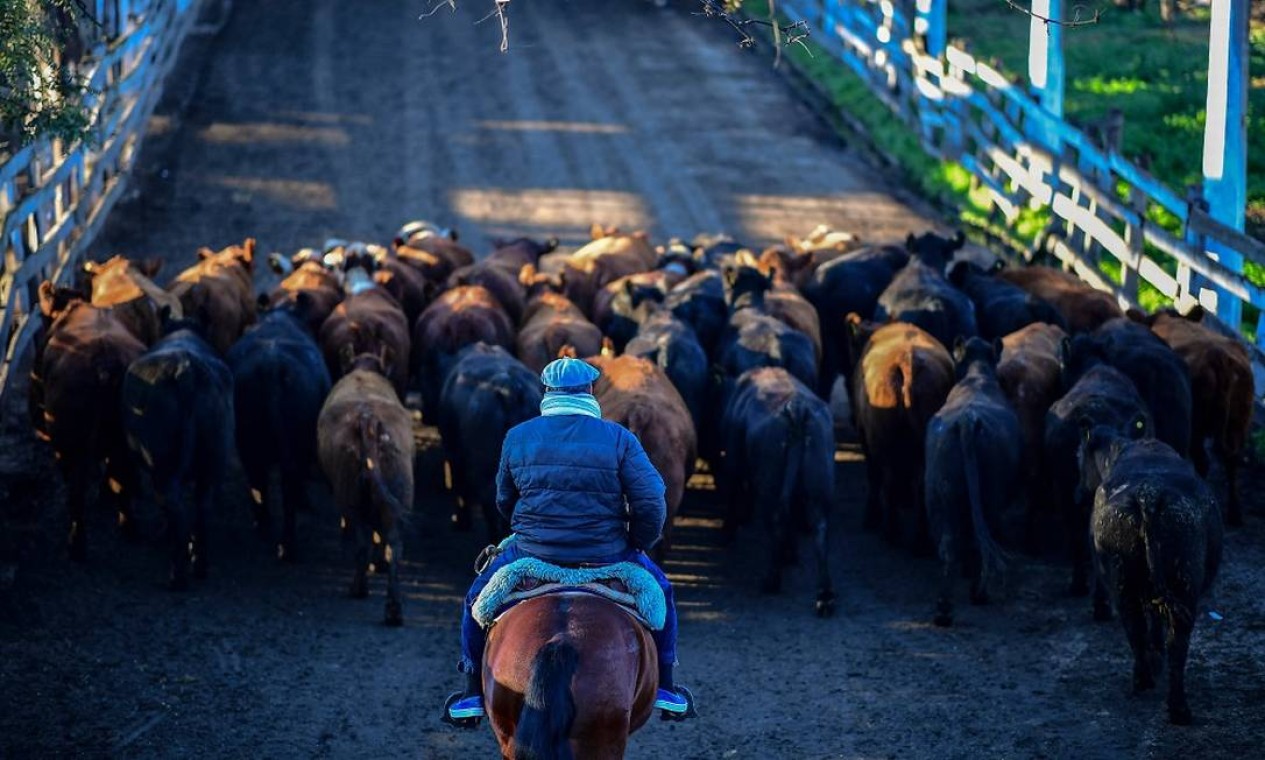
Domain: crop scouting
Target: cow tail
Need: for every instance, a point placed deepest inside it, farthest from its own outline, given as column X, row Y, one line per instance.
column 900, row 379
column 544, row 726
column 991, row 555
column 375, row 485
column 1151, row 510
column 796, row 414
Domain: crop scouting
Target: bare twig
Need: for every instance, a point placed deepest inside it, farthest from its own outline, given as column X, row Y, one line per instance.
column 783, row 34
column 498, row 11
column 452, row 6
column 1077, row 19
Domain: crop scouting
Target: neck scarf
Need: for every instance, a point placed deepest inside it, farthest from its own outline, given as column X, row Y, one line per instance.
column 570, row 403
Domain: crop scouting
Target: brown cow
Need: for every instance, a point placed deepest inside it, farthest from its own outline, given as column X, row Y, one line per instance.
column 795, row 262
column 1083, row 308
column 126, row 286
column 218, row 292
column 366, row 448
column 406, row 283
column 369, row 316
column 322, row 289
column 611, row 255
column 1030, row 374
column 901, row 381
column 1222, row 388
column 460, row 317
column 637, row 394
column 80, row 369
column 550, row 323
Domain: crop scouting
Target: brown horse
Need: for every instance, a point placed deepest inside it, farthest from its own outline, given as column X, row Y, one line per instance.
column 568, row 675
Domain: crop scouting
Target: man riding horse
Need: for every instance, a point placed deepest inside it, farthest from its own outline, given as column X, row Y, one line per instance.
column 579, row 491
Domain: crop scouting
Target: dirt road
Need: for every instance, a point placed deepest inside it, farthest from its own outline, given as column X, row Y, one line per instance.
column 311, row 119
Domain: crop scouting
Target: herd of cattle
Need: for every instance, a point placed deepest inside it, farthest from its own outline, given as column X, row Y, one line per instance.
column 972, row 389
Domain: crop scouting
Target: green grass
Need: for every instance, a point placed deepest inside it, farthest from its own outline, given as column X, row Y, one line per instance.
column 1156, row 75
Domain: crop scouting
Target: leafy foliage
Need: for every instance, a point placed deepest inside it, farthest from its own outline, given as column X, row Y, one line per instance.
column 40, row 93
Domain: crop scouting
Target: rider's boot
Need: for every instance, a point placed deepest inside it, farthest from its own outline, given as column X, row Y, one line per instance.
column 464, row 709
column 675, row 702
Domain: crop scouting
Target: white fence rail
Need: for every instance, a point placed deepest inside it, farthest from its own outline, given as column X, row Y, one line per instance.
column 54, row 197
column 1101, row 205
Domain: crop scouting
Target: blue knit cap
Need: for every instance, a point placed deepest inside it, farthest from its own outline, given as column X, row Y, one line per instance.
column 568, row 373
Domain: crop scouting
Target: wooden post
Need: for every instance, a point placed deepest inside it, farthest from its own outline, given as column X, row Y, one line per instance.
column 1045, row 68
column 930, row 24
column 1225, row 135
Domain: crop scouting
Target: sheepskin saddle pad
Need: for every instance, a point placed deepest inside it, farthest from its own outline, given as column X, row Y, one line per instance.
column 531, row 577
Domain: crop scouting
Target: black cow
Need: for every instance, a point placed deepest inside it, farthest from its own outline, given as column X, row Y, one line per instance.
column 920, row 295
column 669, row 342
column 699, row 301
column 756, row 339
column 779, row 442
column 178, row 417
column 1157, row 546
column 973, row 448
column 1102, row 395
column 487, row 393
column 849, row 284
column 1000, row 307
column 280, row 382
column 1160, row 375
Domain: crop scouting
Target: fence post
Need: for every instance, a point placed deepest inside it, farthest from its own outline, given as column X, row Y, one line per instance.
column 1225, row 135
column 1045, row 69
column 930, row 24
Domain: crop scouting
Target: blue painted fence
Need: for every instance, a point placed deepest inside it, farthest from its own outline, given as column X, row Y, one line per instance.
column 55, row 197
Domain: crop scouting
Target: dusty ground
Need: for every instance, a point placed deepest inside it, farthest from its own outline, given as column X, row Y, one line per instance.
column 308, row 119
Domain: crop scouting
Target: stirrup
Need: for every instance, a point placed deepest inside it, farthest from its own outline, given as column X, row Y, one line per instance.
column 690, row 711
column 460, row 722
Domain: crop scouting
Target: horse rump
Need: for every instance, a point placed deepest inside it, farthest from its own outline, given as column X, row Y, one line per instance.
column 544, row 726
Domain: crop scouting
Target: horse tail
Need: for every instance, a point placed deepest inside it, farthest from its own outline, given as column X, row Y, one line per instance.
column 548, row 707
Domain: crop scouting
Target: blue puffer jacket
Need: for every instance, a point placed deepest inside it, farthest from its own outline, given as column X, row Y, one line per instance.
column 562, row 484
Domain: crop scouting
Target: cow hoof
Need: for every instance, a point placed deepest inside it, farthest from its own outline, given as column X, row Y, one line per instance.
column 825, row 606
column 394, row 615
column 943, row 620
column 1180, row 715
column 1102, row 613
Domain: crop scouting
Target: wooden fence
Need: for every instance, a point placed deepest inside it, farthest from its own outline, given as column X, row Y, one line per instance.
column 1101, row 207
column 54, row 197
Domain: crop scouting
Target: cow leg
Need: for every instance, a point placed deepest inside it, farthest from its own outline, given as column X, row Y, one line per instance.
column 178, row 534
column 949, row 559
column 1078, row 529
column 1230, row 460
column 123, row 480
column 776, row 531
column 198, row 542
column 294, row 494
column 821, row 542
column 359, row 534
column 922, row 530
column 76, row 469
column 873, row 496
column 890, row 506
column 395, row 605
column 1180, row 626
column 1133, row 616
column 257, row 481
column 1199, row 455
column 461, row 512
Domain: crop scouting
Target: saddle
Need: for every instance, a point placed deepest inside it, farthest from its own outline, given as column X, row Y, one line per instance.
column 627, row 584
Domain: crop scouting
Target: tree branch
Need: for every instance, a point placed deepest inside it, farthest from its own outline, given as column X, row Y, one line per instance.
column 783, row 34
column 1075, row 21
